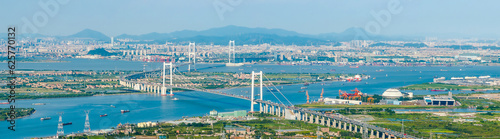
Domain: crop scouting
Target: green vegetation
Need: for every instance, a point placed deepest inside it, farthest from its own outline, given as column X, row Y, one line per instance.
column 369, row 106
column 480, row 104
column 20, row 112
column 101, row 52
column 426, row 86
column 442, row 126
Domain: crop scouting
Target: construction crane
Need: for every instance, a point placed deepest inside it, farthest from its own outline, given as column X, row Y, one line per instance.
column 307, row 94
column 322, row 92
column 350, row 96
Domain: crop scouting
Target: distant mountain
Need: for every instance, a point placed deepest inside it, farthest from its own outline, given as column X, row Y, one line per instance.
column 242, row 35
column 88, row 34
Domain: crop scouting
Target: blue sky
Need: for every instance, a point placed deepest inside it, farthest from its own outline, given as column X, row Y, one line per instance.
column 114, row 17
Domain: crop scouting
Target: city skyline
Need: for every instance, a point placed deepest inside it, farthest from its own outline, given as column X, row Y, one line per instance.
column 457, row 19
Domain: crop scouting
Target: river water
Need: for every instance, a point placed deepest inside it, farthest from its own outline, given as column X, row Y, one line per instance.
column 148, row 107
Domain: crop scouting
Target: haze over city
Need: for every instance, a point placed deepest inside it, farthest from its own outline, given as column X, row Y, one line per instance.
column 427, row 18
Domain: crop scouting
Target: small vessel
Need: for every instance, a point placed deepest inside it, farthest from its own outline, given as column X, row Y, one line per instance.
column 70, row 123
column 380, row 70
column 301, row 91
column 283, row 71
column 113, row 106
column 353, row 66
column 439, row 90
column 273, row 90
column 37, row 103
column 333, row 70
column 175, row 98
column 303, row 87
column 306, row 84
column 104, row 115
column 4, row 102
column 45, row 118
column 125, row 111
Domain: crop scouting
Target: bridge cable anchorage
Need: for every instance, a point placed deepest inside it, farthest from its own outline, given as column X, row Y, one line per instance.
column 278, row 90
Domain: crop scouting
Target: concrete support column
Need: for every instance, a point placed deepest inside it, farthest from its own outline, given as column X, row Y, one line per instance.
column 272, row 109
column 372, row 134
column 328, row 122
column 350, row 127
column 317, row 119
column 279, row 111
column 345, row 126
column 355, row 128
column 378, row 134
column 383, row 135
column 311, row 119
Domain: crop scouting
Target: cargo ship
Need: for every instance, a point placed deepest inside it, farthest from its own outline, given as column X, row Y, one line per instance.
column 45, row 118
column 37, row 103
column 125, row 111
column 104, row 115
column 439, row 90
column 273, row 90
column 70, row 123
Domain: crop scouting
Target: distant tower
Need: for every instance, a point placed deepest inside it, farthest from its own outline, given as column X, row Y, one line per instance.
column 87, row 123
column 112, row 42
column 192, row 55
column 60, row 130
column 231, row 51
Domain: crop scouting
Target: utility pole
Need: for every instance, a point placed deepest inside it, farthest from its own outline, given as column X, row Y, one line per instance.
column 60, row 130
column 87, row 123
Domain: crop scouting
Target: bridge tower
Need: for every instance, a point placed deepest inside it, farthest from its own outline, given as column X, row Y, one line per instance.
column 253, row 88
column 192, row 55
column 163, row 88
column 231, row 51
column 60, row 129
column 87, row 123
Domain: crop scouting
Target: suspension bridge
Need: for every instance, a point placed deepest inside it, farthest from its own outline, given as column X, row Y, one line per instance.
column 281, row 109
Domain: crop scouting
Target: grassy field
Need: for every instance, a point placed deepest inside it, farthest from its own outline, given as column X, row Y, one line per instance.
column 426, row 86
column 441, row 126
column 369, row 106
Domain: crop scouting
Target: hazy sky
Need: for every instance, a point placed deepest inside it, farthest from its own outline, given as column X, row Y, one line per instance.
column 114, row 17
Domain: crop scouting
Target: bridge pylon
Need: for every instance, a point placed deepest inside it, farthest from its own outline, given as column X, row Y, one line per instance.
column 252, row 102
column 192, row 55
column 163, row 88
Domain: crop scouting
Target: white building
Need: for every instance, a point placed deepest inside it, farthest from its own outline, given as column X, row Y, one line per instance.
column 341, row 101
column 392, row 93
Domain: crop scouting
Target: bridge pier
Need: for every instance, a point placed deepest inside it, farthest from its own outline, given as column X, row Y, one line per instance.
column 328, row 123
column 311, row 119
column 317, row 119
column 355, row 128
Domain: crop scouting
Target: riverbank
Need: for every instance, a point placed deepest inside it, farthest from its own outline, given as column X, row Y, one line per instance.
column 20, row 113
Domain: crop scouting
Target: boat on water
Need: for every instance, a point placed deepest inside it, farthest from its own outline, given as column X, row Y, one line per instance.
column 104, row 115
column 306, row 84
column 303, row 87
column 380, row 70
column 333, row 70
column 175, row 98
column 273, row 90
column 125, row 111
column 4, row 102
column 439, row 90
column 301, row 91
column 353, row 66
column 70, row 123
column 37, row 103
column 113, row 106
column 45, row 118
